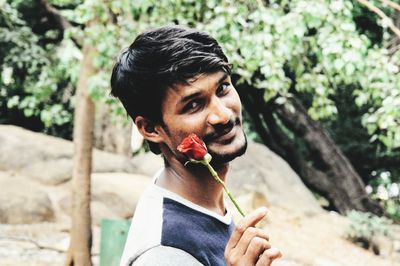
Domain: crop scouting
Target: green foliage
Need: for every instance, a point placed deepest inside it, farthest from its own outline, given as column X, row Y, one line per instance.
column 314, row 49
column 316, row 43
column 386, row 190
column 37, row 80
column 364, row 225
column 304, row 47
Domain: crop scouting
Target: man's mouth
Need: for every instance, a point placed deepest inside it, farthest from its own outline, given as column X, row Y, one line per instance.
column 226, row 134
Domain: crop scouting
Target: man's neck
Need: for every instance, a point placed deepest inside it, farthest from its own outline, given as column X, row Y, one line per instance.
column 195, row 183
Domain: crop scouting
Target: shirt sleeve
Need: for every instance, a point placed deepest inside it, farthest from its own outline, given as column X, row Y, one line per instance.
column 166, row 256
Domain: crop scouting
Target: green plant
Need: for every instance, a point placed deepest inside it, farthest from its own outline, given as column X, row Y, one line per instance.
column 364, row 226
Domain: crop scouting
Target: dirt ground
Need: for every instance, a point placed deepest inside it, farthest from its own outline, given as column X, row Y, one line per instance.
column 316, row 240
column 319, row 240
column 38, row 244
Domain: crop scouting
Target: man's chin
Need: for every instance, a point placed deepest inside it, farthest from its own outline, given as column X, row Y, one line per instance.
column 223, row 158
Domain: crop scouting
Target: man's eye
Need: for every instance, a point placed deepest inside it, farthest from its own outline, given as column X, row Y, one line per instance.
column 223, row 88
column 192, row 106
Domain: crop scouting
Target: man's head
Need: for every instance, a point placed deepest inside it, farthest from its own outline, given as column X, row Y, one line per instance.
column 174, row 81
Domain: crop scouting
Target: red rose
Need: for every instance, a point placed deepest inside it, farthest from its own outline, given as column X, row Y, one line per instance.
column 193, row 147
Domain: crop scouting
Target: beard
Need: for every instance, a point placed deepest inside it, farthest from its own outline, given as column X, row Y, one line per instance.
column 219, row 158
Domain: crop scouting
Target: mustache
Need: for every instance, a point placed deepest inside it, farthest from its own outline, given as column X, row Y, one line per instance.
column 222, row 129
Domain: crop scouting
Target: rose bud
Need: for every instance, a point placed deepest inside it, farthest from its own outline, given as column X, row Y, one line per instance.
column 193, row 147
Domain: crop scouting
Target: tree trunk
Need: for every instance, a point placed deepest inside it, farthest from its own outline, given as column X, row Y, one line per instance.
column 254, row 112
column 79, row 252
column 318, row 180
column 342, row 183
column 329, row 173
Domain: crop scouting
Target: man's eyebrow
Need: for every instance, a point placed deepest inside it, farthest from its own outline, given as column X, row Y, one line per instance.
column 224, row 76
column 196, row 94
column 189, row 97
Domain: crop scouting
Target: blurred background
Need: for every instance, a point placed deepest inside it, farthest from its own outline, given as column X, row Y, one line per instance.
column 319, row 82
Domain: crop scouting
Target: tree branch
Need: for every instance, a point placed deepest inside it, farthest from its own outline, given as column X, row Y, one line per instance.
column 61, row 23
column 394, row 43
column 380, row 13
column 391, row 4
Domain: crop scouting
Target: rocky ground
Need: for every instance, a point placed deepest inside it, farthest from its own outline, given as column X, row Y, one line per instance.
column 35, row 202
column 305, row 241
column 320, row 241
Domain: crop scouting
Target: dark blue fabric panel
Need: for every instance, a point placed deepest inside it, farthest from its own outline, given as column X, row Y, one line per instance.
column 201, row 235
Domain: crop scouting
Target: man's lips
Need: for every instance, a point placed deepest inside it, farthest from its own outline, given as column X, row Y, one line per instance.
column 223, row 133
column 226, row 136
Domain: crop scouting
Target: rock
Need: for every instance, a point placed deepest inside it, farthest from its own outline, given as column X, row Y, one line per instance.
column 111, row 133
column 114, row 195
column 43, row 244
column 395, row 236
column 119, row 192
column 52, row 172
column 382, row 245
column 148, row 163
column 258, row 171
column 262, row 171
column 305, row 237
column 23, row 201
column 396, row 249
column 320, row 261
column 247, row 202
column 100, row 211
column 286, row 262
column 49, row 159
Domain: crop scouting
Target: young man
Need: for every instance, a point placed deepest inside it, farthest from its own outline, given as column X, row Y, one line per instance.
column 175, row 81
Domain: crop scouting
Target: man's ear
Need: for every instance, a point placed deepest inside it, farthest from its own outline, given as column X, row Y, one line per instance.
column 149, row 130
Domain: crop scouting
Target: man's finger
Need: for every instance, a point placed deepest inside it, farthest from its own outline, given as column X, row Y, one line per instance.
column 250, row 220
column 268, row 257
column 256, row 247
column 247, row 237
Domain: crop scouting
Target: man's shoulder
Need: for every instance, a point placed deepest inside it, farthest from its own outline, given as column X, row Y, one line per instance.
column 165, row 220
column 197, row 233
column 166, row 256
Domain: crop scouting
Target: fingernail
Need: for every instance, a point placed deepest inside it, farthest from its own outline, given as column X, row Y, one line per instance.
column 273, row 252
column 264, row 210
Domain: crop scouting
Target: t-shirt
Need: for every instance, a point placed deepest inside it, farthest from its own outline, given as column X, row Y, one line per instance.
column 169, row 230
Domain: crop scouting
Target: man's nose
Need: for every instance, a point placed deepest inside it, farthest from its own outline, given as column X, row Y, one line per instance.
column 219, row 113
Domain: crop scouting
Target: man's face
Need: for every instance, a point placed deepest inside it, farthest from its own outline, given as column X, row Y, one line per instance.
column 210, row 107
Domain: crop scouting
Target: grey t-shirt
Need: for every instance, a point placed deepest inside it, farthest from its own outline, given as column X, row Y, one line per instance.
column 169, row 230
column 166, row 256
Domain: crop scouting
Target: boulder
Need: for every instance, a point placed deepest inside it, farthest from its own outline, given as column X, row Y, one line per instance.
column 262, row 171
column 23, row 201
column 49, row 159
column 382, row 245
column 259, row 173
column 258, row 178
column 114, row 195
column 148, row 163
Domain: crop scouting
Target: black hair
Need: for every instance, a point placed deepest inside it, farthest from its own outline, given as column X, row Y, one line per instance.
column 157, row 60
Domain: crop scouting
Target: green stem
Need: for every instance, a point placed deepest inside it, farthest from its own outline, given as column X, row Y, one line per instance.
column 215, row 175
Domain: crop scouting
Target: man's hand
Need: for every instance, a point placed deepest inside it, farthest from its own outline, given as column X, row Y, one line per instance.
column 249, row 246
